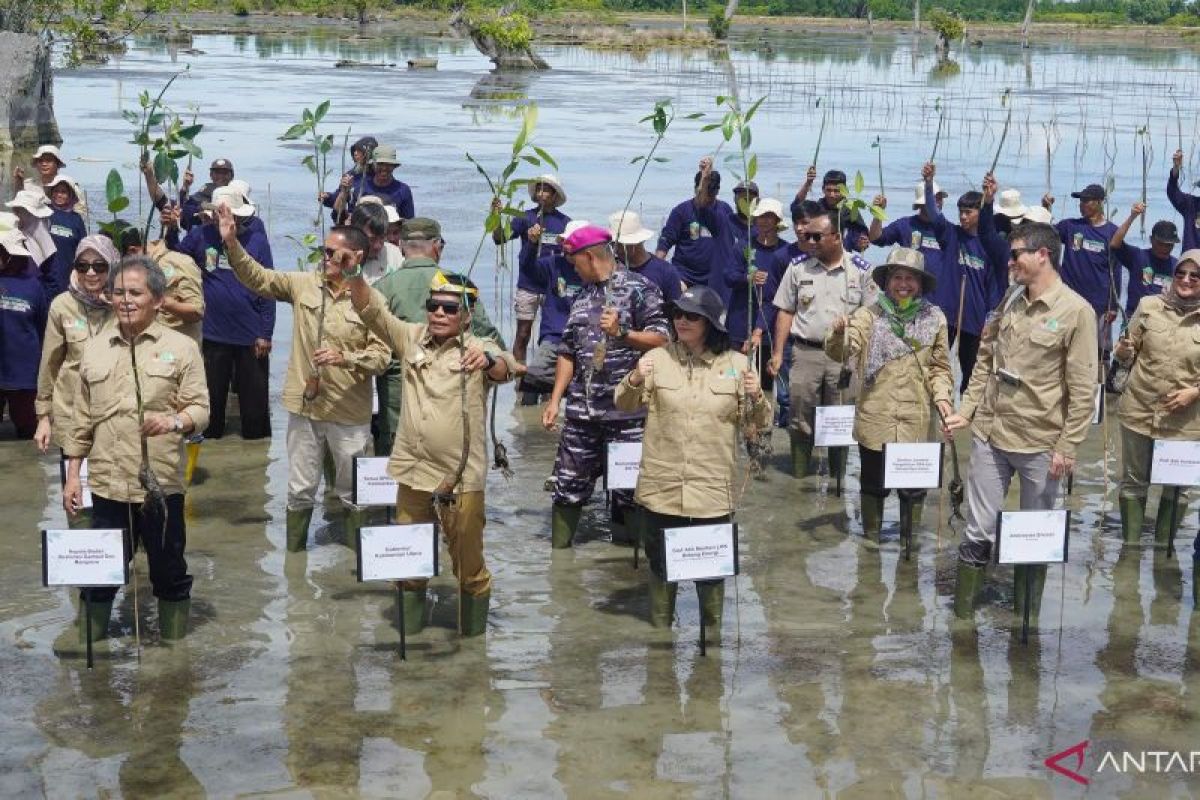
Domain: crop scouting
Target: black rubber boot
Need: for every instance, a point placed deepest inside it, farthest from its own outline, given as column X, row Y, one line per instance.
column 1035, row 576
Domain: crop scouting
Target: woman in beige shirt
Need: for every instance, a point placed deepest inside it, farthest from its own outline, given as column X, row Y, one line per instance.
column 900, row 344
column 697, row 392
column 75, row 316
column 1161, row 349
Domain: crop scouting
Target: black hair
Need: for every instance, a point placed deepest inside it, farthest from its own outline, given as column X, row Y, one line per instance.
column 365, row 144
column 806, row 209
column 1038, row 235
column 354, row 237
column 834, row 176
column 370, row 218
column 714, row 181
column 971, row 199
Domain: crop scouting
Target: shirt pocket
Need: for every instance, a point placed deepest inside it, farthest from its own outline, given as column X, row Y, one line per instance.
column 723, row 398
column 101, row 380
column 161, row 385
column 347, row 331
column 853, row 296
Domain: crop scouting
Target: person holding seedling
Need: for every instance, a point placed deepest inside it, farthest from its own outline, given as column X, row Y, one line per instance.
column 751, row 311
column 630, row 237
column 855, row 235
column 350, row 186
column 381, row 182
column 914, row 231
column 1150, row 268
column 1185, row 203
column 220, row 173
column 697, row 233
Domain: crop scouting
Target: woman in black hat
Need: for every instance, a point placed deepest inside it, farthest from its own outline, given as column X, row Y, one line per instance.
column 697, row 392
column 900, row 343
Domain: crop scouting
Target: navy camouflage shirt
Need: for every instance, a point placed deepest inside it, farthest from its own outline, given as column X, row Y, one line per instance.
column 600, row 360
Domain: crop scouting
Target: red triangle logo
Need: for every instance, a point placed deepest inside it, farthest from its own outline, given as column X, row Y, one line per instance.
column 1078, row 751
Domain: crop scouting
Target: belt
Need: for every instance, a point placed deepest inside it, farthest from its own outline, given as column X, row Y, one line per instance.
column 806, row 342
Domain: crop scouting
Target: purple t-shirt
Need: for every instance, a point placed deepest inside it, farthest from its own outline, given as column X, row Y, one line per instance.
column 980, row 259
column 23, row 311
column 553, row 223
column 702, row 242
column 1189, row 206
column 1085, row 264
column 1148, row 273
column 738, row 313
column 663, row 275
column 559, row 284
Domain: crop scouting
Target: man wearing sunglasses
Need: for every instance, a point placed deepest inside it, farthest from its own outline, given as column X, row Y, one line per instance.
column 1029, row 404
column 616, row 316
column 327, row 391
column 428, row 447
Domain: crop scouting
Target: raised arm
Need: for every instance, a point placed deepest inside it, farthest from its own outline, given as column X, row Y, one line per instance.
column 253, row 275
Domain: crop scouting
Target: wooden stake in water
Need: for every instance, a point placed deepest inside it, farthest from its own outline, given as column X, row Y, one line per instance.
column 1003, row 134
column 938, row 138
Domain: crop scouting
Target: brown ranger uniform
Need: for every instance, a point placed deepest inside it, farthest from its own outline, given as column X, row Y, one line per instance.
column 104, row 429
column 339, row 417
column 694, row 406
column 817, row 296
column 69, row 327
column 183, row 284
column 1166, row 345
column 428, row 447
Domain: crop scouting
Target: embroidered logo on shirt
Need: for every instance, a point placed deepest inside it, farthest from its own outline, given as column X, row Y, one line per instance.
column 1093, row 246
column 61, row 231
column 211, row 258
column 1051, row 325
column 1148, row 276
column 1077, row 241
column 167, row 356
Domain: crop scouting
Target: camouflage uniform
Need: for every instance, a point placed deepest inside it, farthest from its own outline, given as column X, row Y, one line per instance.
column 591, row 419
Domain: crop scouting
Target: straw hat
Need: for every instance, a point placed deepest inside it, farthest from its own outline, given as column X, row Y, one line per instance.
column 627, row 228
column 1008, row 203
column 229, row 196
column 32, row 200
column 905, row 258
column 552, row 181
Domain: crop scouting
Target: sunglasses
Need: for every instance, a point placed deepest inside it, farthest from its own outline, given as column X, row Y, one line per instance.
column 1017, row 252
column 1187, row 274
column 812, row 237
column 688, row 315
column 99, row 267
column 448, row 308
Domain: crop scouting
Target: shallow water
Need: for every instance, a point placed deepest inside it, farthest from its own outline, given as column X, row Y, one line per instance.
column 842, row 671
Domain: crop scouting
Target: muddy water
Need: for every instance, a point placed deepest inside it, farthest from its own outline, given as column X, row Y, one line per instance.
column 842, row 671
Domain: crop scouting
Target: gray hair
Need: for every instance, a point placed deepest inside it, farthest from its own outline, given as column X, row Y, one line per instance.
column 156, row 281
column 418, row 247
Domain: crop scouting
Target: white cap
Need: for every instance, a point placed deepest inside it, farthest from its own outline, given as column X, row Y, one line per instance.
column 919, row 193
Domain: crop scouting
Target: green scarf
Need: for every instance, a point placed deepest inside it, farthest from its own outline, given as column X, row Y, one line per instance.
column 900, row 315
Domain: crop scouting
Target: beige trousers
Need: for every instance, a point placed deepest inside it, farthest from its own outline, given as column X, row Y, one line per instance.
column 306, row 442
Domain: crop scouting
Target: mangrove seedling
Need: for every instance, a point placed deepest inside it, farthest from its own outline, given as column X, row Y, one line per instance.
column 317, row 161
column 660, row 119
column 116, row 202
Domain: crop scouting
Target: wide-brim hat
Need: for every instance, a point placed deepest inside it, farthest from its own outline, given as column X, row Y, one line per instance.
column 1038, row 214
column 919, row 193
column 229, row 196
column 703, row 301
column 1008, row 203
column 13, row 242
column 385, row 154
column 47, row 150
column 904, row 258
column 626, row 228
column 560, row 196
column 32, row 200
column 63, row 177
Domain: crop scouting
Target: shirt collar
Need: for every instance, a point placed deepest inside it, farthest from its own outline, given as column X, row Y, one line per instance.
column 682, row 353
column 153, row 332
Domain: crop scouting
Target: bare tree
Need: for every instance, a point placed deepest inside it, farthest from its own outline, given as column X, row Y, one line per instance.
column 1027, row 23
column 916, row 16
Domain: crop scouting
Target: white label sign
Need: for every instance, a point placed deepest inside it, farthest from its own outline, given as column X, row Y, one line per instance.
column 624, row 460
column 912, row 465
column 1175, row 463
column 699, row 552
column 834, row 426
column 372, row 485
column 397, row 552
column 1098, row 405
column 84, row 557
column 83, row 481
column 1032, row 537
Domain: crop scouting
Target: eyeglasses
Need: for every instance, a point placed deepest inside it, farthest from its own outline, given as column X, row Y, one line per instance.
column 99, row 267
column 448, row 308
column 1187, row 274
column 688, row 315
column 1017, row 252
column 808, row 236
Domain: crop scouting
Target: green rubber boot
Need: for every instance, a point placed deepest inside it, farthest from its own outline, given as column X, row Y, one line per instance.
column 473, row 612
column 1195, row 586
column 801, row 456
column 662, row 601
column 356, row 518
column 1023, row 574
column 917, row 510
column 712, row 605
column 1162, row 519
column 564, row 520
column 101, row 613
column 966, row 590
column 173, row 619
column 414, row 610
column 297, row 529
column 872, row 519
column 1133, row 515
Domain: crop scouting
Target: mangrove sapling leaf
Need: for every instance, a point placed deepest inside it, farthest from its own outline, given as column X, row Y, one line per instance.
column 660, row 118
column 317, row 162
column 544, row 156
column 114, row 191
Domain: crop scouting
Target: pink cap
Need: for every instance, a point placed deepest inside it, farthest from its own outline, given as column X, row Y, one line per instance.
column 585, row 237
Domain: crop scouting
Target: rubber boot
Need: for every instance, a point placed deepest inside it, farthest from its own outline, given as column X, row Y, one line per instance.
column 969, row 581
column 473, row 612
column 1162, row 520
column 918, row 511
column 662, row 601
column 801, row 456
column 872, row 519
column 414, row 610
column 193, row 458
column 101, row 612
column 564, row 520
column 906, row 522
column 1195, row 586
column 1133, row 515
column 712, row 605
column 1034, row 574
column 297, row 529
column 173, row 619
column 356, row 518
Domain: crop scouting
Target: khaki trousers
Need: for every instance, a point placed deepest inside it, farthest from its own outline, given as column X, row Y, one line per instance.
column 1137, row 452
column 306, row 442
column 813, row 382
column 462, row 528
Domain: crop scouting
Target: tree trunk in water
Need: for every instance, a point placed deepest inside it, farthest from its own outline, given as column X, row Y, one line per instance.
column 1027, row 23
column 917, row 16
column 730, row 9
column 26, row 97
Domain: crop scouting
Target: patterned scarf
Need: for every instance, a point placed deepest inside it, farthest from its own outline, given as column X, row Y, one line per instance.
column 898, row 332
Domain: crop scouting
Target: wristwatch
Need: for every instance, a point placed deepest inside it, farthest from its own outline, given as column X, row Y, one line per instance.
column 176, row 424
column 491, row 362
column 622, row 331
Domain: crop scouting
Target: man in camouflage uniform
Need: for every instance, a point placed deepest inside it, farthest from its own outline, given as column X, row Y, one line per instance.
column 617, row 316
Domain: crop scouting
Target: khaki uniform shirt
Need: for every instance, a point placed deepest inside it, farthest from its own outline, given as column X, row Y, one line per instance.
column 818, row 295
column 896, row 406
column 1168, row 358
column 183, row 284
column 69, row 326
column 345, row 392
column 104, row 423
column 1050, row 345
column 689, row 448
column 429, row 440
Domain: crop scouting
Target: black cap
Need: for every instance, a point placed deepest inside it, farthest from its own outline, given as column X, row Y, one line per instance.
column 1164, row 231
column 1093, row 191
column 705, row 302
column 744, row 186
column 221, row 163
column 835, row 176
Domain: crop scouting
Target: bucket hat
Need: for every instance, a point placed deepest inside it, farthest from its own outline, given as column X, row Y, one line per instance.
column 904, row 258
column 919, row 193
column 1008, row 203
column 627, row 228
column 560, row 196
column 32, row 200
column 48, row 150
column 705, row 302
column 229, row 196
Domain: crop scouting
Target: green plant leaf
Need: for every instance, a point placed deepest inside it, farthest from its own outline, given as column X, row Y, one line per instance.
column 306, row 115
column 114, row 187
column 190, row 132
column 636, row 159
column 727, row 127
column 752, row 168
column 118, row 205
column 660, row 121
column 661, row 159
column 750, row 114
column 695, row 115
column 155, row 120
column 878, row 213
column 710, row 127
column 321, row 111
column 745, row 138
column 859, row 183
column 532, row 160
column 162, row 169
column 295, row 132
column 546, row 157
